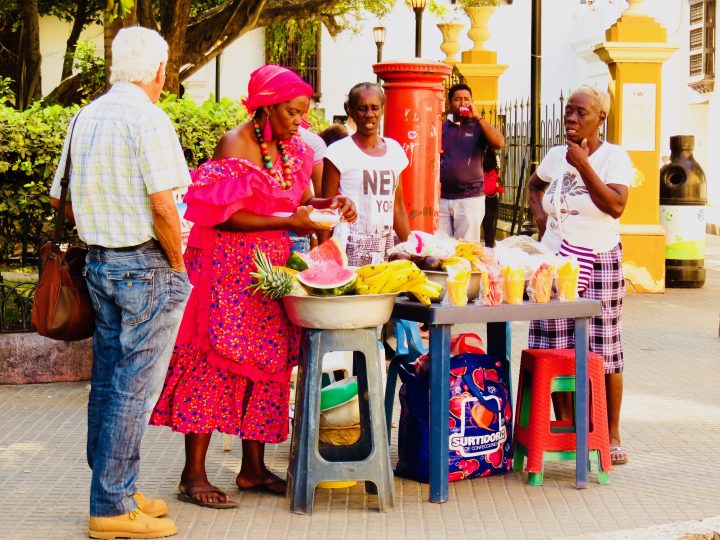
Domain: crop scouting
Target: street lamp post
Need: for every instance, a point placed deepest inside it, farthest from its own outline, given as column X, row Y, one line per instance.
column 529, row 227
column 218, row 60
column 379, row 36
column 535, row 82
column 418, row 7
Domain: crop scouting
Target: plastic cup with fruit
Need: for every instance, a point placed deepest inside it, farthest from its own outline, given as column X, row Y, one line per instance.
column 567, row 280
column 457, row 283
column 491, row 289
column 513, row 284
column 541, row 281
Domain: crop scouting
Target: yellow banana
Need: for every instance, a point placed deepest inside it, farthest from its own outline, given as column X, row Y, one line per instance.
column 415, row 282
column 394, row 285
column 362, row 288
column 434, row 285
column 406, row 273
column 425, row 290
column 422, row 298
column 371, row 269
column 377, row 285
column 382, row 276
column 399, row 282
column 400, row 263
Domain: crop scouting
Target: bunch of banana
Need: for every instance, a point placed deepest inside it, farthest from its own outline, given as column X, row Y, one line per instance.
column 395, row 277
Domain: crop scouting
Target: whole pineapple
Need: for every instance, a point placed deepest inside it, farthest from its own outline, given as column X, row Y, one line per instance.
column 272, row 282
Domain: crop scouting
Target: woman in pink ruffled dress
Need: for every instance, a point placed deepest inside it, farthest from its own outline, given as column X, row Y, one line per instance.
column 230, row 369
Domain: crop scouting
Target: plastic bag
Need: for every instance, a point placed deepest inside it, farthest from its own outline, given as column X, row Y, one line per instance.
column 491, row 285
column 480, row 435
column 473, row 252
column 422, row 244
column 526, row 244
column 467, row 342
column 541, row 282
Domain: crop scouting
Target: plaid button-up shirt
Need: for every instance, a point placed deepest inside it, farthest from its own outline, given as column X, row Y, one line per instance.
column 124, row 149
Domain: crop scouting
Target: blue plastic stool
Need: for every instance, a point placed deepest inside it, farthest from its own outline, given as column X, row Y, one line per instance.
column 408, row 349
column 369, row 458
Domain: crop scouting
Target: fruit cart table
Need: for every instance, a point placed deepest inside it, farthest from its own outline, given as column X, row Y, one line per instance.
column 441, row 318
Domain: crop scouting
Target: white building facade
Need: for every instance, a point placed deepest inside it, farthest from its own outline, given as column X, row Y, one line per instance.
column 570, row 31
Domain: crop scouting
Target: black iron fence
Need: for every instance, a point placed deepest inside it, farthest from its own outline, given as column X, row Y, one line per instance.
column 455, row 77
column 16, row 306
column 513, row 120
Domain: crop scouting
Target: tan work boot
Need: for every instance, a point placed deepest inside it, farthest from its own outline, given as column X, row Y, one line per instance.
column 132, row 525
column 151, row 507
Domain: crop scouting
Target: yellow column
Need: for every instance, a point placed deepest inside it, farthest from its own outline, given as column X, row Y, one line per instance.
column 479, row 65
column 634, row 50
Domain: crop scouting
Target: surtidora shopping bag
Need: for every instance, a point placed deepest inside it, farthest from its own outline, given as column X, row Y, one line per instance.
column 480, row 419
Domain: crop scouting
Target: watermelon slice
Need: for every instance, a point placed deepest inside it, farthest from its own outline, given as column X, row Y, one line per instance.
column 331, row 250
column 328, row 279
column 297, row 261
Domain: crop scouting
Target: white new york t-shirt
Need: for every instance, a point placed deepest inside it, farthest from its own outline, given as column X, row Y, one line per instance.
column 370, row 181
column 572, row 215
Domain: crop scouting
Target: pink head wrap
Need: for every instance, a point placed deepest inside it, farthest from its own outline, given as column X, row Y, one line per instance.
column 272, row 84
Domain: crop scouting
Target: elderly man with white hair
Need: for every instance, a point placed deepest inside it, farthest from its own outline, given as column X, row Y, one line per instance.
column 577, row 195
column 126, row 161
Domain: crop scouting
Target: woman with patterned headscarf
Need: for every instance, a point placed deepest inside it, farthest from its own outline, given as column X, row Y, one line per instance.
column 230, row 370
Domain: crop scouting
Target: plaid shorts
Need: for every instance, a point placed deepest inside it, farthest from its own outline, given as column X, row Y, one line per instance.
column 607, row 284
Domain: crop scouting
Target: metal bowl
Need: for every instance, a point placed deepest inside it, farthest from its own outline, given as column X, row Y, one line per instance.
column 441, row 279
column 339, row 312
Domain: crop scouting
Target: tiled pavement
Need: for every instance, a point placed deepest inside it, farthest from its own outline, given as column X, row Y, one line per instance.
column 671, row 426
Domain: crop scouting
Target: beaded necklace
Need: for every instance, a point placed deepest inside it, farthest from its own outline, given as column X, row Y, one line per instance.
column 285, row 179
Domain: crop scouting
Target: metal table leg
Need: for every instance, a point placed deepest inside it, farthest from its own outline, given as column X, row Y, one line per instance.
column 581, row 402
column 439, row 411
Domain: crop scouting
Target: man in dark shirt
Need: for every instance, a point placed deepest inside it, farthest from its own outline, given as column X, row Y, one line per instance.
column 465, row 136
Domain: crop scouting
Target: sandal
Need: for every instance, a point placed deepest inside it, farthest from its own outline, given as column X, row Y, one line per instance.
column 271, row 484
column 618, row 455
column 189, row 495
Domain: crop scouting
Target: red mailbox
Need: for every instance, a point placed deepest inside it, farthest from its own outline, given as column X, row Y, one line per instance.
column 414, row 96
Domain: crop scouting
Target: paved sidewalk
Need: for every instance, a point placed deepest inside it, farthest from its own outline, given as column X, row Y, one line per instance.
column 670, row 427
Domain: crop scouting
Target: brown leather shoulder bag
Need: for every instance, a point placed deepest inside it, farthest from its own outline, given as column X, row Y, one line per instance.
column 62, row 308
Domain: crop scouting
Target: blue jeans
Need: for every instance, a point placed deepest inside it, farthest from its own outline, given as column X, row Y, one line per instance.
column 300, row 244
column 138, row 301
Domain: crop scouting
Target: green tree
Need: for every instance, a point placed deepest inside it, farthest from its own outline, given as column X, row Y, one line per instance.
column 23, row 17
column 196, row 30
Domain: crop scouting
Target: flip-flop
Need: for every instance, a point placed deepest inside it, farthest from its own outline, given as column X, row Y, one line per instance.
column 618, row 455
column 188, row 495
column 265, row 486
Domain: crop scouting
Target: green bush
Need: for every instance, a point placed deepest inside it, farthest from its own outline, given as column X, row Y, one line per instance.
column 30, row 146
column 31, row 142
column 199, row 127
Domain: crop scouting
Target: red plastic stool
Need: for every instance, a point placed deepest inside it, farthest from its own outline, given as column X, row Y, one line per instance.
column 536, row 436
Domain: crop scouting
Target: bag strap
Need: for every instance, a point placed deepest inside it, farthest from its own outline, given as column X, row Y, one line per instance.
column 64, row 185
